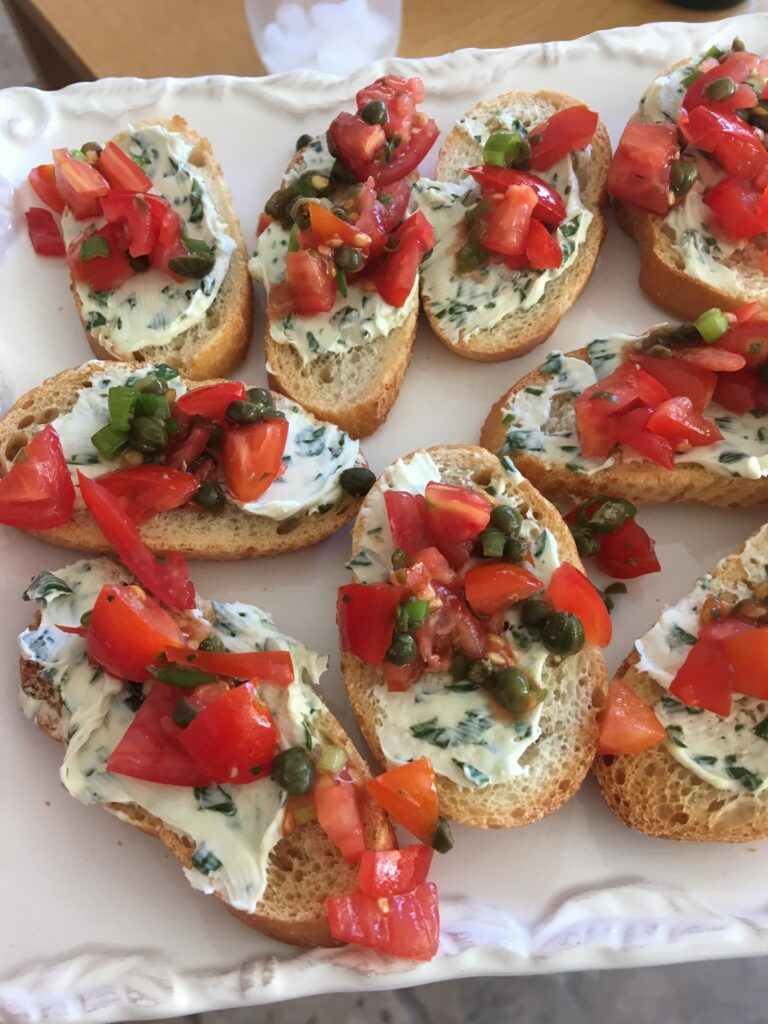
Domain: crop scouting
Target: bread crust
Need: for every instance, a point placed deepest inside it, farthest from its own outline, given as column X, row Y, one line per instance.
column 576, row 687
column 642, row 482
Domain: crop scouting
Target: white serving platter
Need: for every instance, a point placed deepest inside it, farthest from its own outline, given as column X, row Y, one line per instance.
column 97, row 923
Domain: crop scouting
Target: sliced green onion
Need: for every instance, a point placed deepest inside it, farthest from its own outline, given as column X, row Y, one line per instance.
column 501, row 148
column 109, row 443
column 606, row 513
column 94, row 246
column 416, row 611
column 712, row 324
column 183, row 713
column 332, row 759
column 691, row 77
column 165, row 372
column 293, row 240
column 121, row 402
column 341, row 281
column 152, row 405
column 180, row 675
column 305, row 814
column 493, row 542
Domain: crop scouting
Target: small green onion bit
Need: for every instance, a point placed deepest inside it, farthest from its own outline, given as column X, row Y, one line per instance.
column 120, row 404
column 493, row 542
column 332, row 759
column 110, row 443
column 93, row 247
column 712, row 324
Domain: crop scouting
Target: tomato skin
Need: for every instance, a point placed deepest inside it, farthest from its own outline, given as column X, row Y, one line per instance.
column 560, row 134
column 407, row 515
column 541, row 249
column 231, row 736
column 496, row 585
column 747, row 655
column 406, row 925
column 79, row 185
column 640, row 169
column 365, row 614
column 462, row 511
column 570, row 591
column 43, row 181
column 596, row 418
column 631, row 430
column 408, row 794
column 143, row 491
column 679, row 377
column 211, row 402
column 719, row 630
column 180, row 453
column 504, row 229
column 325, row 226
column 737, row 208
column 170, row 582
column 265, row 666
column 121, row 171
column 676, row 419
column 734, row 144
column 550, row 208
column 719, row 360
column 251, row 457
column 748, row 339
column 704, row 679
column 356, row 142
column 627, row 725
column 738, row 392
column 627, row 553
column 38, row 494
column 396, row 275
column 399, row 96
column 44, row 233
column 338, row 814
column 101, row 272
column 312, row 280
column 738, row 67
column 128, row 631
column 391, row 872
column 407, row 156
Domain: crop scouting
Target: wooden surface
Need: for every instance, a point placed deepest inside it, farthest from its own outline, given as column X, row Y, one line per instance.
column 69, row 40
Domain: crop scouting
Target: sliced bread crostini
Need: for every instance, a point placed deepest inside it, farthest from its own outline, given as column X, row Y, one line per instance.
column 706, row 777
column 497, row 765
column 712, row 445
column 476, row 303
column 201, row 322
column 344, row 355
column 239, row 841
column 305, row 503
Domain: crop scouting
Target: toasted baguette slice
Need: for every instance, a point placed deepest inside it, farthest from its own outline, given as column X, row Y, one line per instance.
column 305, row 868
column 558, row 761
column 638, row 481
column 656, row 794
column 214, row 347
column 195, row 533
column 520, row 331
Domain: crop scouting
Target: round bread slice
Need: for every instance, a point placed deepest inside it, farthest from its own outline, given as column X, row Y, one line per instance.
column 189, row 530
column 520, row 331
column 556, row 764
column 637, row 481
column 215, row 346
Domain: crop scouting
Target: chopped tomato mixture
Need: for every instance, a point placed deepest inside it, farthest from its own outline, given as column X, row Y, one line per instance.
column 605, row 528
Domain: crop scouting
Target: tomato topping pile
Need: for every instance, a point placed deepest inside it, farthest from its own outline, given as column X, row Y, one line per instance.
column 350, row 227
column 715, row 147
column 138, row 228
column 605, row 528
column 37, row 492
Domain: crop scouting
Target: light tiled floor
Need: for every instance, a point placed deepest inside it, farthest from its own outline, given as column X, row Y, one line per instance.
column 730, row 991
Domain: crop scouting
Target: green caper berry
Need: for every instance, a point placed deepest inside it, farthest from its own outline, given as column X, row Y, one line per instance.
column 349, row 258
column 340, row 172
column 299, row 213
column 341, row 213
column 402, row 650
column 682, row 176
column 260, row 396
column 758, row 117
column 480, row 671
column 399, row 559
column 720, row 89
column 459, row 666
column 302, row 141
column 294, row 771
column 587, row 545
column 685, row 333
column 512, row 690
column 660, row 351
column 85, row 618
column 563, row 634
column 660, row 335
column 507, row 519
column 194, row 264
column 374, row 112
column 212, row 642
column 535, row 611
column 738, row 45
column 150, row 385
column 357, row 481
column 515, row 550
column 762, row 373
column 442, row 840
column 148, row 434
column 139, row 263
column 91, row 147
column 244, row 412
column 210, row 496
column 183, row 713
column 277, row 204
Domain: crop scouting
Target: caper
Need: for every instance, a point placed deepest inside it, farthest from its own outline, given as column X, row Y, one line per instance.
column 402, row 650
column 194, row 264
column 139, row 263
column 340, row 172
column 587, row 545
column 758, row 116
column 459, row 666
column 302, row 141
column 212, row 642
column 720, row 89
column 277, row 204
column 374, row 112
column 349, row 258
column 150, row 385
column 399, row 559
column 294, row 771
column 210, row 496
column 442, row 840
column 519, row 154
column 91, row 151
column 660, row 351
column 148, row 434
column 299, row 213
column 260, row 396
column 682, row 176
column 512, row 690
column 470, row 256
column 660, row 335
column 239, row 411
column 762, row 373
column 563, row 634
column 535, row 611
column 183, row 713
column 85, row 618
column 341, row 213
column 507, row 519
column 737, row 45
column 515, row 550
column 480, row 671
column 357, row 481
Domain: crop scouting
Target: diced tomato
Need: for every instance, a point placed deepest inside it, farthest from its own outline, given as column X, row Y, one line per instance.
column 391, row 213
column 169, row 582
column 407, row 925
column 451, row 627
column 43, row 181
column 737, row 208
column 79, row 185
column 748, row 339
column 211, row 401
column 37, row 492
column 252, row 457
column 495, row 585
column 570, row 591
column 169, row 244
column 391, row 872
column 541, row 248
column 719, row 360
column 143, row 491
column 679, row 377
column 312, row 280
column 44, row 233
column 147, row 751
column 598, row 406
column 627, row 553
column 631, row 430
column 143, row 216
column 407, row 514
column 719, row 630
column 365, row 614
column 550, row 208
column 704, row 680
column 731, row 140
column 676, row 419
column 400, row 678
column 427, row 565
column 408, row 794
column 356, row 142
column 640, row 168
column 326, row 226
column 417, row 226
column 455, row 516
column 407, row 156
column 560, row 134
column 262, row 666
column 121, row 171
column 397, row 273
column 399, row 96
column 102, row 273
column 128, row 632
column 747, row 654
column 738, row 392
column 505, row 228
column 182, row 452
column 627, row 725
column 338, row 814
column 737, row 66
